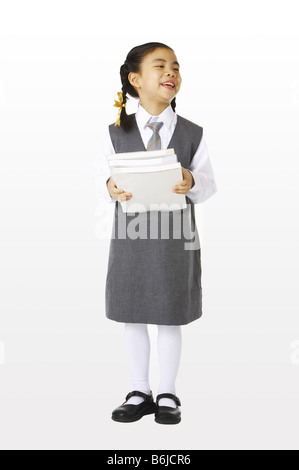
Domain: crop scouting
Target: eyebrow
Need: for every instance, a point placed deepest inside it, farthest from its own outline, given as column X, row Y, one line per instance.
column 163, row 60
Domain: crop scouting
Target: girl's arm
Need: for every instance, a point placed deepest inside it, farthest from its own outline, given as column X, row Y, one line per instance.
column 202, row 172
column 101, row 169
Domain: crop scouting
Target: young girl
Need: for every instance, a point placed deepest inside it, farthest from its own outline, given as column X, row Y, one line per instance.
column 154, row 280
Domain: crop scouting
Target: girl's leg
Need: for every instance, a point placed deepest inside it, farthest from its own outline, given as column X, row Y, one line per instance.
column 169, row 349
column 138, row 351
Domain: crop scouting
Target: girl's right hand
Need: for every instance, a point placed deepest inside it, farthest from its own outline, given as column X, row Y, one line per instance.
column 118, row 194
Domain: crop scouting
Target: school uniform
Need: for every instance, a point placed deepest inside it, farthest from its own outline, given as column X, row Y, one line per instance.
column 156, row 280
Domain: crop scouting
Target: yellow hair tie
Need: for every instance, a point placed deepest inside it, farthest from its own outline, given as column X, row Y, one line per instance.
column 119, row 104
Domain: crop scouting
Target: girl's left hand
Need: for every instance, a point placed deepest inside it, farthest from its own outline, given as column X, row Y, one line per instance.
column 186, row 184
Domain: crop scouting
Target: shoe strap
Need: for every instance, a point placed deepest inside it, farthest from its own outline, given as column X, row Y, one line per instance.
column 136, row 393
column 168, row 395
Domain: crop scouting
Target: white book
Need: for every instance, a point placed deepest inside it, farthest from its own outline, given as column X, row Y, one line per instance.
column 142, row 162
column 151, row 187
column 137, row 155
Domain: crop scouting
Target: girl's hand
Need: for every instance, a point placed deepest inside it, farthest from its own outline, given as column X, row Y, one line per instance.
column 118, row 194
column 186, row 184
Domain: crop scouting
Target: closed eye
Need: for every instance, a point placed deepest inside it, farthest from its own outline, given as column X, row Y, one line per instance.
column 163, row 67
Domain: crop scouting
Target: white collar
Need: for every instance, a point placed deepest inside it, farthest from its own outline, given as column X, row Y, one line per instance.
column 143, row 117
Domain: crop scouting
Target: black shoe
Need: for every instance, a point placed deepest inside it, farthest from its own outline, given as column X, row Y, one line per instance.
column 130, row 413
column 167, row 414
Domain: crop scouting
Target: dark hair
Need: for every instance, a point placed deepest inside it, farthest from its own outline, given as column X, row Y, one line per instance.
column 133, row 64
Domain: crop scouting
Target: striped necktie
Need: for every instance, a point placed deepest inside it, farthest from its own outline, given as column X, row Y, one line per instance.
column 155, row 141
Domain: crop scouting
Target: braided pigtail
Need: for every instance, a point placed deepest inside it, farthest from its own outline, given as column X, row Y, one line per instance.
column 173, row 104
column 125, row 119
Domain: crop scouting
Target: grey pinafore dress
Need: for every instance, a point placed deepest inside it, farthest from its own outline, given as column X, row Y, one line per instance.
column 155, row 280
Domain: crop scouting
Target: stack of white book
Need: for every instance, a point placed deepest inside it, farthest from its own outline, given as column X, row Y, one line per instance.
column 149, row 177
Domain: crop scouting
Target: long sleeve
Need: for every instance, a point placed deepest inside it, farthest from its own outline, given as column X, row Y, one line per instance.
column 101, row 169
column 203, row 175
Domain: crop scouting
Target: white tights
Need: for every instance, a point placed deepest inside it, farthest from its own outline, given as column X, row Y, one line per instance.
column 138, row 349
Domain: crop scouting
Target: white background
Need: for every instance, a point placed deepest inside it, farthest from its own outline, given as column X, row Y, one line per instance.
column 63, row 367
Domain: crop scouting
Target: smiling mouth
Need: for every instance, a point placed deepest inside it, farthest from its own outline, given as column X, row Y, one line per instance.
column 168, row 86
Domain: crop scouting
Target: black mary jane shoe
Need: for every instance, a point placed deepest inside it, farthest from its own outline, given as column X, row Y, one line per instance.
column 167, row 414
column 130, row 413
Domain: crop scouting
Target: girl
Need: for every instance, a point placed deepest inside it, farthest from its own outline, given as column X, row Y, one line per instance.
column 154, row 280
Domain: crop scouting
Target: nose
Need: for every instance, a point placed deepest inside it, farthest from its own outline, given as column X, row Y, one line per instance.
column 172, row 74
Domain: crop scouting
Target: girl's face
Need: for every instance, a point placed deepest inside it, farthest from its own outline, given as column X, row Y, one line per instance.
column 159, row 79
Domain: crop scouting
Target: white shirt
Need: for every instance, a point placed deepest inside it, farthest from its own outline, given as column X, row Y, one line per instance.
column 200, row 165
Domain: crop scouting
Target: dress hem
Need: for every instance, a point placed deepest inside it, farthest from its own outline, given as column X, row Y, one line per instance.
column 155, row 323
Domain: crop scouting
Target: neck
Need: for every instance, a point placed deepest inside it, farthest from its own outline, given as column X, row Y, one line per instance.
column 155, row 109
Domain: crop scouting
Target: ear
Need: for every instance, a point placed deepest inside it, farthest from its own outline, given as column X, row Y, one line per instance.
column 134, row 79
